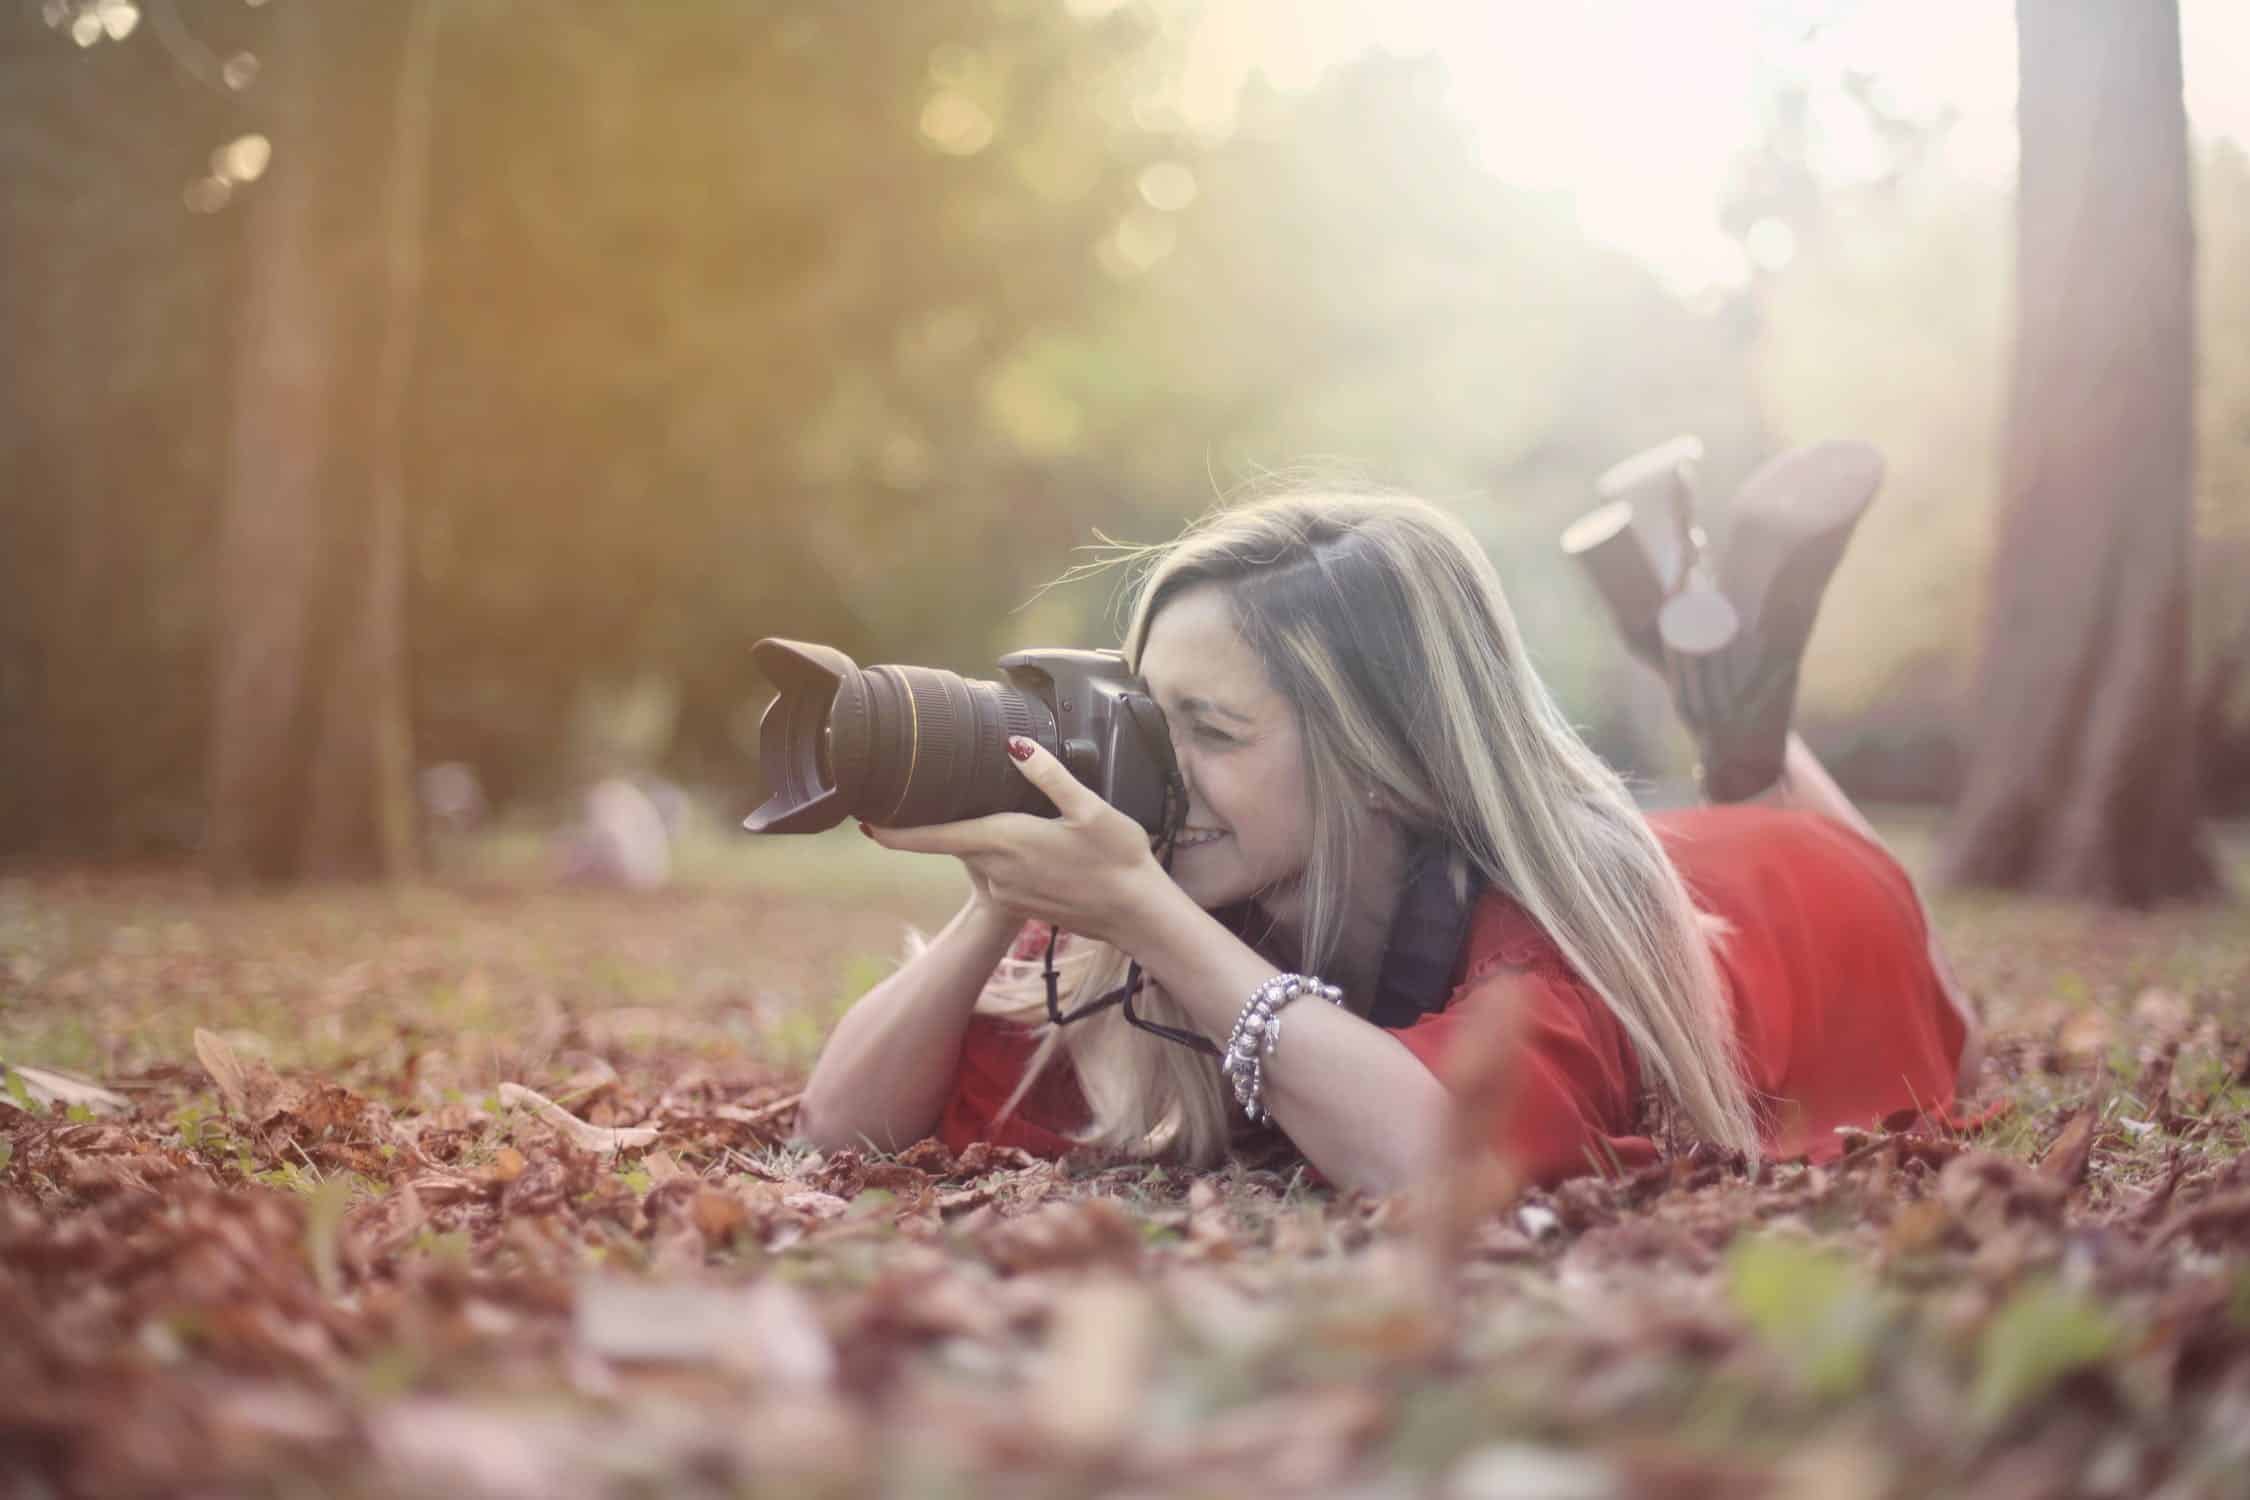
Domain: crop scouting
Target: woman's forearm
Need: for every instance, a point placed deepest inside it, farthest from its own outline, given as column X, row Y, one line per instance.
column 883, row 1077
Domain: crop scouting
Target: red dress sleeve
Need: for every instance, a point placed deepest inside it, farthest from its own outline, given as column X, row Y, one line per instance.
column 1569, row 1082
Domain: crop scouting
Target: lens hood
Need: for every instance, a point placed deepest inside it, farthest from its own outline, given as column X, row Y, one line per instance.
column 806, row 791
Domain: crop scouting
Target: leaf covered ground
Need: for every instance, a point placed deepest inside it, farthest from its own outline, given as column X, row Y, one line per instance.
column 484, row 1187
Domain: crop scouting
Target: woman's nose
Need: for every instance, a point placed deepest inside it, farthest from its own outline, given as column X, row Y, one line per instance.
column 1183, row 762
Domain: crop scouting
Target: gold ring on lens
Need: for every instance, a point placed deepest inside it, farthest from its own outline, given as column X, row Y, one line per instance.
column 913, row 738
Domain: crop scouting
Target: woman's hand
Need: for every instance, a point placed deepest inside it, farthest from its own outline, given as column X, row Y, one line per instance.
column 1089, row 872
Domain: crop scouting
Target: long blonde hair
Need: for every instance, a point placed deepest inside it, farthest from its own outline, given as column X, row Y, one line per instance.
column 1380, row 619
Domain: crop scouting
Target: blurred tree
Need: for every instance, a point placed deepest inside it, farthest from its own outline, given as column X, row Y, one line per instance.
column 310, row 767
column 2222, row 604
column 742, row 313
column 2082, row 779
column 110, row 446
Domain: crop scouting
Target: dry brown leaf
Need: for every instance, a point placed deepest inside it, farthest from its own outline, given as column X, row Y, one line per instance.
column 1089, row 1232
column 934, row 1301
column 819, row 1205
column 762, row 1115
column 2163, row 1015
column 1917, row 1227
column 600, row 1139
column 2226, row 1218
column 2066, row 1160
column 49, row 1086
column 2084, row 1039
column 226, row 1069
column 441, row 1189
column 1210, row 1228
column 717, row 1214
column 961, row 1201
column 1295, row 1442
column 1100, row 1347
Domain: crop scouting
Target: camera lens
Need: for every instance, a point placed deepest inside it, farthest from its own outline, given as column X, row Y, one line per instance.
column 922, row 745
column 900, row 746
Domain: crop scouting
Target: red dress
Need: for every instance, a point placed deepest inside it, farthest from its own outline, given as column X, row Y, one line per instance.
column 1840, row 1017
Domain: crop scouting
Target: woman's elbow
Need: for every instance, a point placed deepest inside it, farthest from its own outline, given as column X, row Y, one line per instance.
column 828, row 1121
column 825, row 1119
column 813, row 1129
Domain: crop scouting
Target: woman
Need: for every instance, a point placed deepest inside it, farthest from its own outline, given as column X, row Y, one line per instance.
column 1384, row 801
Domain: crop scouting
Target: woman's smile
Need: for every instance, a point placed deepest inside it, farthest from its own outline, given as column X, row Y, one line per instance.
column 1195, row 838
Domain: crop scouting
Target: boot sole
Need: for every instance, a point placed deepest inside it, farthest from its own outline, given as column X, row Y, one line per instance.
column 1789, row 523
column 1731, row 653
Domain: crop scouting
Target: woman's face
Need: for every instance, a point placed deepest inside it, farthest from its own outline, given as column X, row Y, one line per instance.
column 1249, row 826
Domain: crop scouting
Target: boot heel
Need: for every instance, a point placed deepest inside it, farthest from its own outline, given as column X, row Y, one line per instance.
column 1699, row 629
column 1638, row 544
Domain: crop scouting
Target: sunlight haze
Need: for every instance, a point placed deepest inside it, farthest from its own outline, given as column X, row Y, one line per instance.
column 1636, row 108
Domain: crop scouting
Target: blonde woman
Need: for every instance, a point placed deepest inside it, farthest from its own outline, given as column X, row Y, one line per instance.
column 1397, row 850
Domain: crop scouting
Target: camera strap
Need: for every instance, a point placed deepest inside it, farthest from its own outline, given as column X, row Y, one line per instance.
column 1122, row 995
column 1426, row 940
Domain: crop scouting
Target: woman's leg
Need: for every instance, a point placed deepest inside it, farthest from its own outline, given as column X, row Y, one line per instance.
column 1806, row 785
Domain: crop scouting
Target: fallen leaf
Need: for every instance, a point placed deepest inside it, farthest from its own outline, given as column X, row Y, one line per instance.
column 1100, row 1346
column 599, row 1139
column 717, row 1214
column 763, row 1114
column 2084, row 1039
column 1527, row 1471
column 769, row 1329
column 819, row 1205
column 226, row 1070
column 2164, row 1015
column 1089, row 1232
column 48, row 1086
column 1210, row 1228
column 2066, row 1160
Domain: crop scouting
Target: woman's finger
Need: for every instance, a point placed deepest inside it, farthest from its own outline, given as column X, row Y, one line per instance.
column 970, row 836
column 1072, row 797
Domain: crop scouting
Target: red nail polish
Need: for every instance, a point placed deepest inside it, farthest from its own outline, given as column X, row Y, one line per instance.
column 1019, row 747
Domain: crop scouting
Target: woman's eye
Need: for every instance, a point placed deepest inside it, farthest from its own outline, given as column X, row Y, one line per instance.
column 1210, row 736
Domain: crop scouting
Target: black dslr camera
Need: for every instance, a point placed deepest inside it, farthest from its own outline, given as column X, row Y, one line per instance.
column 908, row 746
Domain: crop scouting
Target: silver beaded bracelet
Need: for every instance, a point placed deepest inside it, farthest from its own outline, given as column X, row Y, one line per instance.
column 1257, row 1031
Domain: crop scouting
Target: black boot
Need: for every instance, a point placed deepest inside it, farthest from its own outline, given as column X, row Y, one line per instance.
column 1638, row 545
column 1732, row 642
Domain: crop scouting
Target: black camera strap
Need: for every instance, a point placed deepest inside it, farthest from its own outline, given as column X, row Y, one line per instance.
column 1427, row 933
column 1122, row 995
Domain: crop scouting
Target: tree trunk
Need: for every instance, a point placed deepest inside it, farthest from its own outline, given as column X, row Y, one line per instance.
column 2082, row 779
column 310, row 767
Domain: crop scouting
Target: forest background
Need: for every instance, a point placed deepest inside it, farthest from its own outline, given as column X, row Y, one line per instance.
column 850, row 323
column 396, row 385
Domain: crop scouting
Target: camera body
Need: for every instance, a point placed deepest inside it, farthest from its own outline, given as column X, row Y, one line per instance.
column 906, row 746
column 1112, row 735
